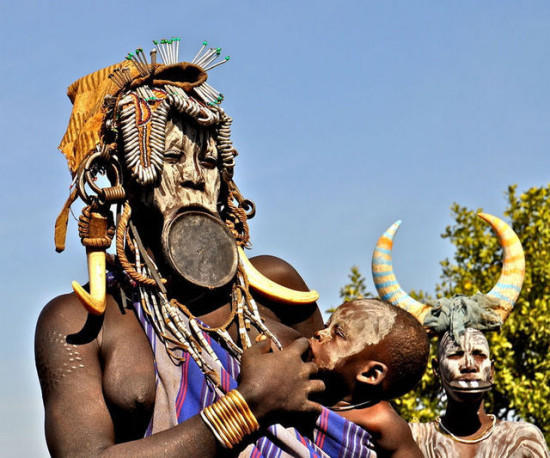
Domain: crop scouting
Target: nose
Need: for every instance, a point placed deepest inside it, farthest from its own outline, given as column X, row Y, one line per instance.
column 468, row 364
column 191, row 175
column 322, row 336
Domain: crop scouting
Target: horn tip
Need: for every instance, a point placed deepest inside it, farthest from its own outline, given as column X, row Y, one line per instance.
column 486, row 216
column 91, row 304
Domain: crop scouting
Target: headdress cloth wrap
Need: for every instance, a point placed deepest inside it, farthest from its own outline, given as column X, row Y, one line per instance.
column 481, row 311
column 128, row 104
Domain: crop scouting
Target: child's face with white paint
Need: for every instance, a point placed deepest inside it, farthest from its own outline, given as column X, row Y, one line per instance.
column 465, row 367
column 352, row 328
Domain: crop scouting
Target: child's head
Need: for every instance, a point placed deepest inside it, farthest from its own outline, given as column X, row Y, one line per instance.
column 371, row 348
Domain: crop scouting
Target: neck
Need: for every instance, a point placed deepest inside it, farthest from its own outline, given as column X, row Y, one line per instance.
column 341, row 394
column 337, row 392
column 465, row 418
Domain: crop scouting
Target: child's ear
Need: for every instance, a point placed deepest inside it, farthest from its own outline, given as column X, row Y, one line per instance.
column 372, row 373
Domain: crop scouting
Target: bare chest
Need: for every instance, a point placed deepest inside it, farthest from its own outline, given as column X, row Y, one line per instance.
column 128, row 366
column 128, row 374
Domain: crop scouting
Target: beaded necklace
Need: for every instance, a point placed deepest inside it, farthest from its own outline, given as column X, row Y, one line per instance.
column 484, row 436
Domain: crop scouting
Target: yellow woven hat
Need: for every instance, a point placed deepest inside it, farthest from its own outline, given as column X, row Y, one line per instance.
column 87, row 95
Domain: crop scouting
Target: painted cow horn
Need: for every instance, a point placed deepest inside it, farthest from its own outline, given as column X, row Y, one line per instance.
column 271, row 289
column 509, row 284
column 384, row 279
column 506, row 290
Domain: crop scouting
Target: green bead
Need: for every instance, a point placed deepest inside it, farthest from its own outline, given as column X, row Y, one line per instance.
column 205, row 43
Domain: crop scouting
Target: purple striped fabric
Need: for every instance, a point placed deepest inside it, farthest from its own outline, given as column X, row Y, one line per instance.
column 189, row 392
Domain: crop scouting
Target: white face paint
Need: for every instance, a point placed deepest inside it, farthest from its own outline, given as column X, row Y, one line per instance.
column 190, row 176
column 351, row 328
column 466, row 366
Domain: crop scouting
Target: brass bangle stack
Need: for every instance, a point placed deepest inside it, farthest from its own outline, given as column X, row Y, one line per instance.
column 230, row 419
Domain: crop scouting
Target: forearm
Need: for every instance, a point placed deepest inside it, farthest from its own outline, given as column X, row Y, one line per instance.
column 227, row 422
column 191, row 438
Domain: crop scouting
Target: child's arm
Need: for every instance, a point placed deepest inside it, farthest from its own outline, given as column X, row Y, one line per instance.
column 391, row 434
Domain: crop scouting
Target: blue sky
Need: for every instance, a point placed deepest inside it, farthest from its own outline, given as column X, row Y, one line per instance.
column 347, row 116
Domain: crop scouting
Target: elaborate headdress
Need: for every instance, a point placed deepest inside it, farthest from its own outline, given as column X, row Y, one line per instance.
column 117, row 129
column 453, row 315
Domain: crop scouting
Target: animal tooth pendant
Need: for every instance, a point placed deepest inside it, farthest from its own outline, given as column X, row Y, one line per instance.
column 95, row 237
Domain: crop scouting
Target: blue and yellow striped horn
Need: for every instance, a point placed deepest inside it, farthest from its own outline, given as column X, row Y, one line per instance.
column 384, row 279
column 506, row 291
column 509, row 284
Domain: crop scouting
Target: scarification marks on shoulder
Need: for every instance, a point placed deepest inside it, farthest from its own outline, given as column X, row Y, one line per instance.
column 56, row 359
column 74, row 359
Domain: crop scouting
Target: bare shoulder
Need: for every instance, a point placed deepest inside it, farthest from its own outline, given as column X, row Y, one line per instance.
column 381, row 419
column 523, row 435
column 62, row 330
column 306, row 319
column 69, row 365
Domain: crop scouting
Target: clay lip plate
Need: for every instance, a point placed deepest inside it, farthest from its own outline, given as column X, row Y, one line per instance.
column 201, row 248
column 470, row 386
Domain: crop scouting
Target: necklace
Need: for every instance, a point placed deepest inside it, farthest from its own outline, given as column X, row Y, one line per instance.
column 484, row 436
column 359, row 405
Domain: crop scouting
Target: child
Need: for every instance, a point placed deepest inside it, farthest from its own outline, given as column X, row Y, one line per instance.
column 371, row 352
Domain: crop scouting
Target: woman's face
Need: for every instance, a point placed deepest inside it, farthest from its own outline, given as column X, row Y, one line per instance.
column 465, row 366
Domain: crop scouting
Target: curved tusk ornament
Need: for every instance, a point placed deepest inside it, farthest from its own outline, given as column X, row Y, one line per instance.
column 271, row 289
column 95, row 300
column 384, row 278
column 509, row 284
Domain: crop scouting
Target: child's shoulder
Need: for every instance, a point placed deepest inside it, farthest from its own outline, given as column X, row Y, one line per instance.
column 389, row 431
column 377, row 418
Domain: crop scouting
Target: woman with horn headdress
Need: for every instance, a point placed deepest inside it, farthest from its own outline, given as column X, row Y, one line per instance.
column 463, row 362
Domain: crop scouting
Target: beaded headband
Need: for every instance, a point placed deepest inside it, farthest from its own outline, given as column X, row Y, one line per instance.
column 140, row 93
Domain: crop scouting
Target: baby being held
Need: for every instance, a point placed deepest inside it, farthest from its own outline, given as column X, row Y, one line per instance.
column 371, row 352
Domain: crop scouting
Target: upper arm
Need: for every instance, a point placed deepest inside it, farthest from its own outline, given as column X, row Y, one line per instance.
column 304, row 318
column 395, row 437
column 77, row 420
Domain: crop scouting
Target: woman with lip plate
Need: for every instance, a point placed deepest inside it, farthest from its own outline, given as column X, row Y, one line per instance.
column 466, row 430
column 463, row 364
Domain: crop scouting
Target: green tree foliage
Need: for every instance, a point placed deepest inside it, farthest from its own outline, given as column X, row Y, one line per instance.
column 520, row 349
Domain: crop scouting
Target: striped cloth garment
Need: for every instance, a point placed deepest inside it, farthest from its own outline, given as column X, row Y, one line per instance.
column 182, row 392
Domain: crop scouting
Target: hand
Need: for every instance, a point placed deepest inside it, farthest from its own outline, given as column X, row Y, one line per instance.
column 277, row 385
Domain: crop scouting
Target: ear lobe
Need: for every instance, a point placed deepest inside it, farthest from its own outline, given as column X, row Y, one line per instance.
column 372, row 373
